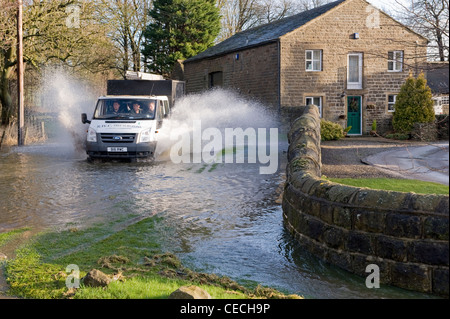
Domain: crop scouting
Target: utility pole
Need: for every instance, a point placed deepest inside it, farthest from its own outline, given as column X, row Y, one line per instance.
column 20, row 106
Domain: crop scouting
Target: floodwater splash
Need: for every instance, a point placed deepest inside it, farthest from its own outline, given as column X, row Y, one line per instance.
column 65, row 98
column 220, row 126
column 228, row 127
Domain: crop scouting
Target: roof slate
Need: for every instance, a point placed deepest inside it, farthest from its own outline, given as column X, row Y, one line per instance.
column 438, row 78
column 265, row 33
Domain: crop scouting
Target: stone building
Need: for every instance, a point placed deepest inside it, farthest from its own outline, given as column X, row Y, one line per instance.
column 346, row 57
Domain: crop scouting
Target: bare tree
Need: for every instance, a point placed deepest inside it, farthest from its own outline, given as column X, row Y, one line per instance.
column 65, row 31
column 128, row 19
column 304, row 5
column 268, row 10
column 240, row 15
column 237, row 16
column 431, row 19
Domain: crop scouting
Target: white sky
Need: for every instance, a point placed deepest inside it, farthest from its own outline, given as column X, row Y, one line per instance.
column 388, row 6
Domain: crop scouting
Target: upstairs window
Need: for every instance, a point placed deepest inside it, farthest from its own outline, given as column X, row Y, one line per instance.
column 395, row 61
column 313, row 60
column 355, row 71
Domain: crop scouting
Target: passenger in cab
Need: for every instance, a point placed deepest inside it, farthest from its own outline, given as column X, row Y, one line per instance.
column 150, row 109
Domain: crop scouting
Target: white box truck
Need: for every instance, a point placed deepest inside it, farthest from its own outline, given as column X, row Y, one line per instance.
column 126, row 121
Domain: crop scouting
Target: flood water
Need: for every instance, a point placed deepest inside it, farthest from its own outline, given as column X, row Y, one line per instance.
column 218, row 218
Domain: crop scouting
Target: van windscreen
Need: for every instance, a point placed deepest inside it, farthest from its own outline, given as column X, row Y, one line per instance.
column 125, row 109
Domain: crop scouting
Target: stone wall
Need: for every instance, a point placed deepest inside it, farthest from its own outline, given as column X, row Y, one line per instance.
column 252, row 72
column 442, row 125
column 424, row 131
column 405, row 234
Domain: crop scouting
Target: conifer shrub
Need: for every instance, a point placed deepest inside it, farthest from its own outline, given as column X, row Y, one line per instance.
column 413, row 105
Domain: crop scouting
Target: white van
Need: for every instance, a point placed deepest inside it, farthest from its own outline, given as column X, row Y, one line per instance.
column 126, row 126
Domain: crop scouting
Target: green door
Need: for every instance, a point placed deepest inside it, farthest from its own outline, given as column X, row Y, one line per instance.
column 354, row 114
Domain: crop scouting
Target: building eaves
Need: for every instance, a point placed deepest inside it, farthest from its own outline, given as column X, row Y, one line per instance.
column 264, row 34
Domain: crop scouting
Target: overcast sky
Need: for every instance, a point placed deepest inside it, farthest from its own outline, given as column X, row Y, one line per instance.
column 388, row 6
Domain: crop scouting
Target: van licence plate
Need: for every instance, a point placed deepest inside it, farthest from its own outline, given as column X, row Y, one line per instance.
column 117, row 149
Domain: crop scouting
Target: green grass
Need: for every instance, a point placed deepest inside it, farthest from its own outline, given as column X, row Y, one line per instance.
column 128, row 247
column 399, row 185
column 5, row 237
column 151, row 287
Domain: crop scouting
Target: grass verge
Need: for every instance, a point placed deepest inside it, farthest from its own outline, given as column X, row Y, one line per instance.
column 131, row 254
column 399, row 185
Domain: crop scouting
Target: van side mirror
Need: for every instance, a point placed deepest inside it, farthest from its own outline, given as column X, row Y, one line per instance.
column 84, row 119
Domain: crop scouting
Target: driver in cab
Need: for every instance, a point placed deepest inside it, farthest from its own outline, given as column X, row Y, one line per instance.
column 115, row 109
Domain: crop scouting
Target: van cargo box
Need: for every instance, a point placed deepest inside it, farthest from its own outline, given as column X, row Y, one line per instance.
column 171, row 88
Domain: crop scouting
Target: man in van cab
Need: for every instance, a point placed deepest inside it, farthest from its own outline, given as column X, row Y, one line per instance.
column 136, row 108
column 116, row 107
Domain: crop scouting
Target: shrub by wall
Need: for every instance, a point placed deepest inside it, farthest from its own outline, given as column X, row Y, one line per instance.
column 405, row 234
column 330, row 131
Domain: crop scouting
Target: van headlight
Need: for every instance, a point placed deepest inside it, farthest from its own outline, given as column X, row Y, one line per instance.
column 145, row 136
column 92, row 135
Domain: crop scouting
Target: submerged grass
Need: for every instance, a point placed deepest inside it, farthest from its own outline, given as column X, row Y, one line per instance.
column 399, row 185
column 6, row 237
column 131, row 254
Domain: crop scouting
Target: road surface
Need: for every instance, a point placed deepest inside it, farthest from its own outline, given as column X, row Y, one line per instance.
column 426, row 163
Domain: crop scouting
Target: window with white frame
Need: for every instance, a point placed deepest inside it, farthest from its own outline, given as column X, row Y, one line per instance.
column 439, row 103
column 313, row 60
column 314, row 100
column 354, row 71
column 395, row 61
column 391, row 102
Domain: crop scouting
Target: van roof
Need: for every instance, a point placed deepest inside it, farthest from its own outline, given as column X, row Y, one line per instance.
column 146, row 97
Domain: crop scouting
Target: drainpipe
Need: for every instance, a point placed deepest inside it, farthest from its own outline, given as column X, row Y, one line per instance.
column 416, row 64
column 279, row 76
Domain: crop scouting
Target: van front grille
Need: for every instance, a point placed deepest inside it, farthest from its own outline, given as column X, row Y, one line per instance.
column 118, row 137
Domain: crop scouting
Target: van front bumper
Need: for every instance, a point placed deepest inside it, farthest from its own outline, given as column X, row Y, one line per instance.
column 117, row 150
